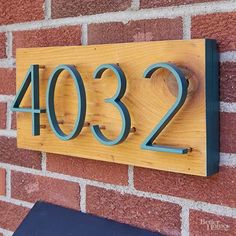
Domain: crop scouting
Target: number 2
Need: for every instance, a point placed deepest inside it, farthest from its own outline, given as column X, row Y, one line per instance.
column 181, row 97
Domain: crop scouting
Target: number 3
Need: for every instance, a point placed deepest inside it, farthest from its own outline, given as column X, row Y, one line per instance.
column 115, row 100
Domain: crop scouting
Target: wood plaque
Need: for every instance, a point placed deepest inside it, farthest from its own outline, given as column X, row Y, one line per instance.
column 194, row 126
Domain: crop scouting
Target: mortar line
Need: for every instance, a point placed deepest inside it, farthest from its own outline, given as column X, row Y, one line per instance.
column 8, row 182
column 184, row 221
column 84, row 35
column 47, row 9
column 44, row 162
column 135, row 5
column 187, row 27
column 229, row 107
column 228, row 159
column 142, row 14
column 6, row 232
column 8, row 116
column 83, row 197
column 192, row 204
column 9, row 44
column 131, row 176
column 16, row 202
column 8, row 133
column 7, row 63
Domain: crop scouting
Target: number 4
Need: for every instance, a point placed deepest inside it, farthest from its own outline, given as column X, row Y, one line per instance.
column 32, row 76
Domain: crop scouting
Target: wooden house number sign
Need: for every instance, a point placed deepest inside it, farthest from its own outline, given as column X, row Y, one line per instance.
column 150, row 104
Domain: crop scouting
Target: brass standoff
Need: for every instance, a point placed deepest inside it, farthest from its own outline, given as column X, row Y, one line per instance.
column 190, row 149
column 43, row 126
column 133, row 130
column 102, row 127
column 42, row 67
column 61, row 122
column 86, row 124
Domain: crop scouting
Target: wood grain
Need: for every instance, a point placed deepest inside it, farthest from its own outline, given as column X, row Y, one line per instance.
column 147, row 101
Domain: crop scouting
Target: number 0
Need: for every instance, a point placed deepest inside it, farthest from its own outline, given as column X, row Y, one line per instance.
column 81, row 102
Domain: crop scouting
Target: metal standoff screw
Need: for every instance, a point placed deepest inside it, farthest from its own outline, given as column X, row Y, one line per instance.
column 86, row 124
column 43, row 126
column 189, row 149
column 133, row 130
column 42, row 67
column 61, row 122
column 102, row 126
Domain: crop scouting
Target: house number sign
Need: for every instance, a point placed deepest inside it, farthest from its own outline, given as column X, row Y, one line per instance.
column 151, row 104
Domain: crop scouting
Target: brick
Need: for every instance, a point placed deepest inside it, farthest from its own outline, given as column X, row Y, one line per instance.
column 13, row 121
column 7, row 81
column 227, row 132
column 11, row 215
column 2, row 44
column 202, row 223
column 219, row 26
column 228, row 81
column 3, row 117
column 12, row 155
column 216, row 189
column 70, row 8
column 88, row 169
column 20, row 11
column 167, row 3
column 138, row 211
column 2, row 181
column 32, row 188
column 61, row 36
column 134, row 31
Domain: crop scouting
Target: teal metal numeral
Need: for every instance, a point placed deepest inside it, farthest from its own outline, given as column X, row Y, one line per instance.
column 32, row 77
column 81, row 102
column 181, row 97
column 115, row 100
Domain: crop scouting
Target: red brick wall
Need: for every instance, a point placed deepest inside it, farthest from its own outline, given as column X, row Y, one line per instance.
column 173, row 204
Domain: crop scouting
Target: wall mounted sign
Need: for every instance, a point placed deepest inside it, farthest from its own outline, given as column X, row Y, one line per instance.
column 151, row 104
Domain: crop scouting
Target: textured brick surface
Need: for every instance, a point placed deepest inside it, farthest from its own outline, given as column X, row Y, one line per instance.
column 11, row 154
column 138, row 211
column 89, row 169
column 7, row 81
column 11, row 215
column 62, row 36
column 2, row 44
column 166, row 3
column 12, row 11
column 218, row 189
column 220, row 26
column 228, row 82
column 134, row 31
column 2, row 181
column 13, row 121
column 32, row 188
column 69, row 8
column 3, row 117
column 228, row 132
column 202, row 223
